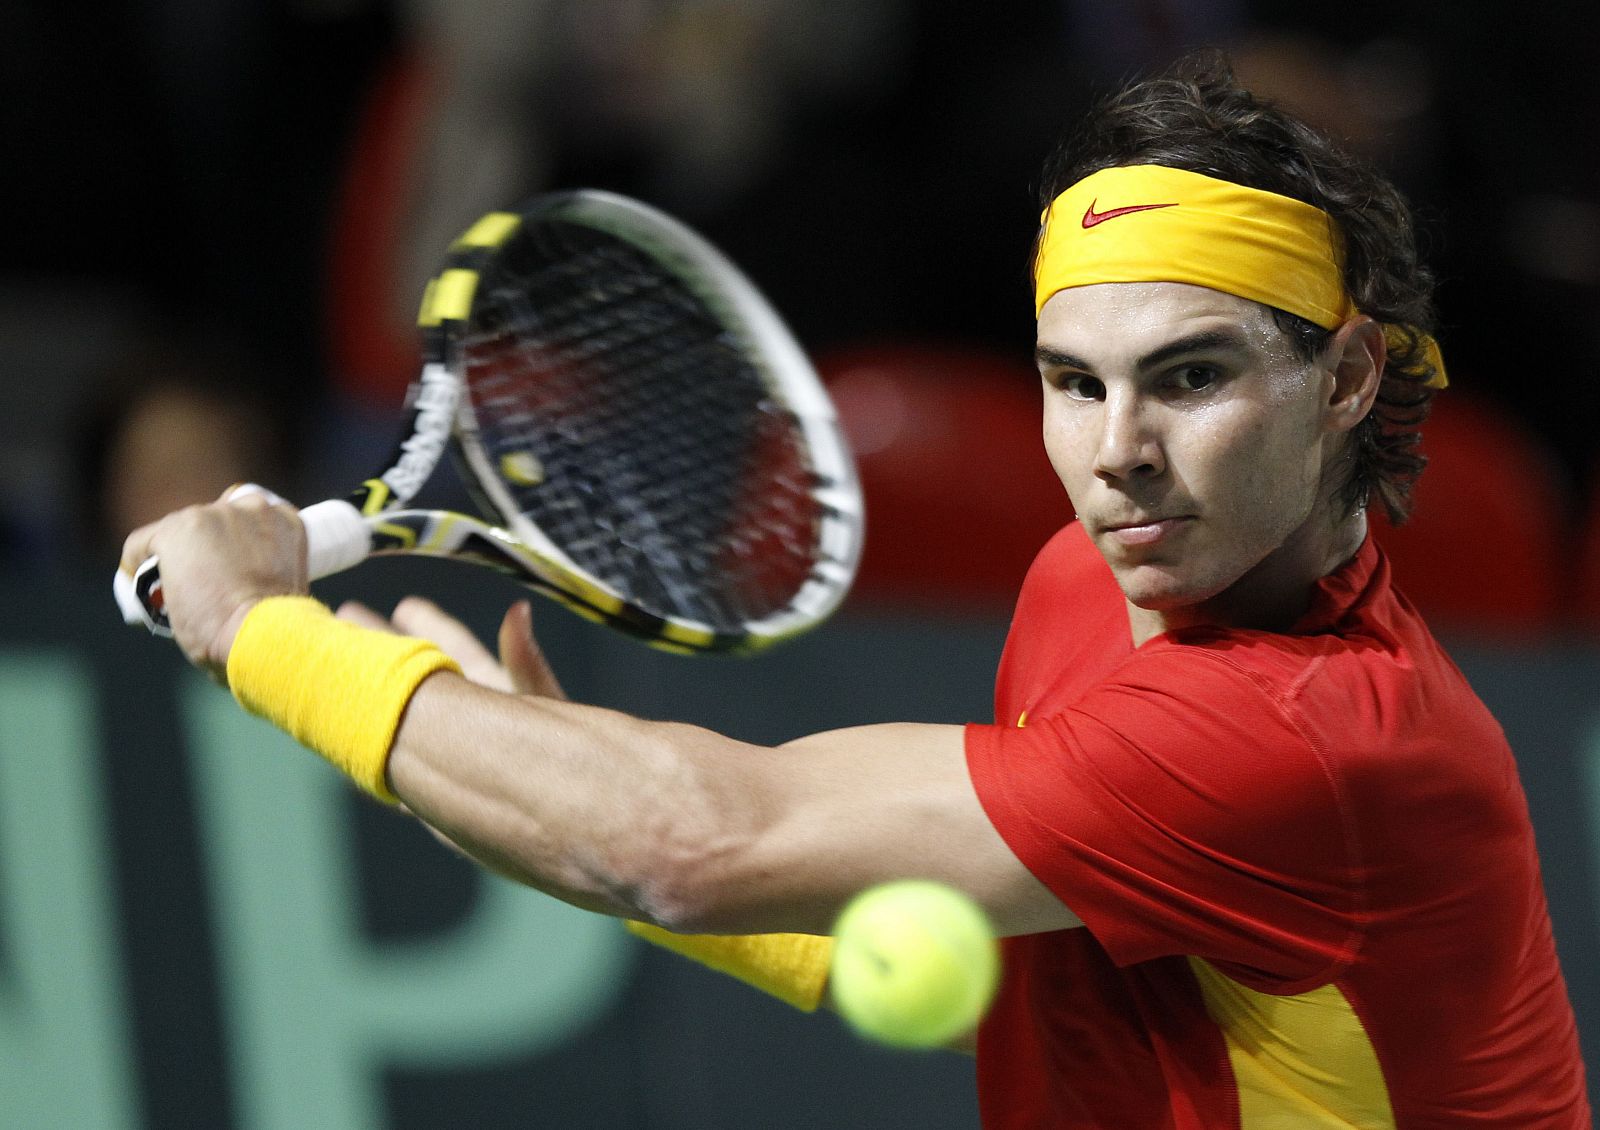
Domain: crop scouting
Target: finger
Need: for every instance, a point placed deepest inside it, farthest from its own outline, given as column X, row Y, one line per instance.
column 418, row 617
column 357, row 613
column 139, row 546
column 522, row 657
column 250, row 502
column 135, row 548
column 240, row 492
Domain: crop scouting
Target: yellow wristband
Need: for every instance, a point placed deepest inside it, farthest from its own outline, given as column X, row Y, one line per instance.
column 791, row 967
column 336, row 688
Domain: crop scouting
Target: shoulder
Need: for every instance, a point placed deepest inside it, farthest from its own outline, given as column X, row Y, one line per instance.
column 1212, row 701
column 1169, row 716
column 1177, row 807
column 1068, row 548
column 1233, row 708
column 1069, row 566
column 1069, row 627
column 1373, row 719
column 1297, row 671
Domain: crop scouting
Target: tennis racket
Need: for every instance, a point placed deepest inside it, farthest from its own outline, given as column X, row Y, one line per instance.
column 653, row 446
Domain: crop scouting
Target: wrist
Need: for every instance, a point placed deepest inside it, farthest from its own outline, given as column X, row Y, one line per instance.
column 339, row 689
column 221, row 647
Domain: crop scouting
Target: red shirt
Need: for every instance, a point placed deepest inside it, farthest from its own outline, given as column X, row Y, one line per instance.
column 1304, row 862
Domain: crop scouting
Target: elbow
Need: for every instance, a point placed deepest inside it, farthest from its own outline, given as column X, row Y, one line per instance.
column 689, row 866
column 665, row 903
column 685, row 886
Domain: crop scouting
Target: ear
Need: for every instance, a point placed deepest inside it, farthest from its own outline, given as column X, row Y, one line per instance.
column 1354, row 358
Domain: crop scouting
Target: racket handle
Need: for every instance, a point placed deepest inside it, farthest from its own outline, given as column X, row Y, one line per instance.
column 337, row 538
column 133, row 609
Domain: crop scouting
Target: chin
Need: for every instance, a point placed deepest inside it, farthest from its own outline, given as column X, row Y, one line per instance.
column 1157, row 589
column 1157, row 595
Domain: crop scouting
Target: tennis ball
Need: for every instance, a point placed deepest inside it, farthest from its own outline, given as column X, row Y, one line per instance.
column 914, row 964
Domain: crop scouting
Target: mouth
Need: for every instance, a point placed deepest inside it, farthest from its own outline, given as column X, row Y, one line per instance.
column 1145, row 531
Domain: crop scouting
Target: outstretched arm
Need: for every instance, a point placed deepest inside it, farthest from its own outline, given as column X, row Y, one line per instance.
column 693, row 830
column 662, row 821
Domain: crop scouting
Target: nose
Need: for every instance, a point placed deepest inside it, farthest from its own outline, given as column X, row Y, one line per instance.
column 1129, row 446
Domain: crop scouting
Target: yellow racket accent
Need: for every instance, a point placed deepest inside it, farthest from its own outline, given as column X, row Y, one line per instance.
column 404, row 534
column 448, row 296
column 591, row 593
column 441, row 528
column 575, row 606
column 377, row 497
column 424, row 311
column 683, row 634
column 489, row 231
column 671, row 648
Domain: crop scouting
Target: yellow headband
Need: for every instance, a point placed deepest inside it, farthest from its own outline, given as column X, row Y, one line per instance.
column 1150, row 223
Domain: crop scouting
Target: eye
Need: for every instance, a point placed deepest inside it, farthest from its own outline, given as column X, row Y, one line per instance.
column 1080, row 386
column 1194, row 378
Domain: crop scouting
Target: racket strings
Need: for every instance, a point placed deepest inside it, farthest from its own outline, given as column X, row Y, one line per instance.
column 631, row 429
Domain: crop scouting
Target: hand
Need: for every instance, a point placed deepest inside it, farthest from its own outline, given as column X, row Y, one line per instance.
column 217, row 562
column 521, row 669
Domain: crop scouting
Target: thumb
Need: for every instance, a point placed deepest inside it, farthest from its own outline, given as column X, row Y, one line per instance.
column 522, row 657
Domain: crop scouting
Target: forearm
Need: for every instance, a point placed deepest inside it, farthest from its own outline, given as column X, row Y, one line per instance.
column 663, row 822
column 600, row 809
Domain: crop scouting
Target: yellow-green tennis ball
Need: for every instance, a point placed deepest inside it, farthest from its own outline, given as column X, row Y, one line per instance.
column 914, row 964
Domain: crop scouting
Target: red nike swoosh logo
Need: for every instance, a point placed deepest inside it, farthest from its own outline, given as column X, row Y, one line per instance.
column 1091, row 217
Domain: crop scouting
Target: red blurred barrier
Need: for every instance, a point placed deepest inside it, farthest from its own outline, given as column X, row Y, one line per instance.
column 1588, row 587
column 1483, row 552
column 960, row 495
column 372, row 351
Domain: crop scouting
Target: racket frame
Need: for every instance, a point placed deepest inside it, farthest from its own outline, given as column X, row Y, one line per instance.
column 373, row 520
column 519, row 547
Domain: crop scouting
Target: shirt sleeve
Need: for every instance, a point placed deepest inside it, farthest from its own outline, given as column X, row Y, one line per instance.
column 1178, row 809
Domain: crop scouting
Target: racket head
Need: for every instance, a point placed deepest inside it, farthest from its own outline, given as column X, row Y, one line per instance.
column 636, row 414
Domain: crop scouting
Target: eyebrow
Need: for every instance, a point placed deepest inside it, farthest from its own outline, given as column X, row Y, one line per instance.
column 1049, row 356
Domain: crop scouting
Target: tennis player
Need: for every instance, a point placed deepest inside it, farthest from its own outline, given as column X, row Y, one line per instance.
column 1261, row 857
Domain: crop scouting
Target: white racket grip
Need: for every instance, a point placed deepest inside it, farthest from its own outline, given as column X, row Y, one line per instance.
column 127, row 599
column 337, row 537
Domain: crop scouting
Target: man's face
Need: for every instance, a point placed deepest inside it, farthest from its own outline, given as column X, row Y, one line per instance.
column 1186, row 430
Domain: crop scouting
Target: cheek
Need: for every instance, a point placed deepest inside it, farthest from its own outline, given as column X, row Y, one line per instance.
column 1064, row 448
column 1273, row 473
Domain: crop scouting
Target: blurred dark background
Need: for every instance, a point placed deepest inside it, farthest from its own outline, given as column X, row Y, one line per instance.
column 217, row 218
column 219, row 214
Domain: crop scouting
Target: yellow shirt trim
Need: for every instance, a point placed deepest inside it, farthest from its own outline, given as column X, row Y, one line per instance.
column 1300, row 1062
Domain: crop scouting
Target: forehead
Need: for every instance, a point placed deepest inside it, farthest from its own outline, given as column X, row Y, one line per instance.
column 1111, row 322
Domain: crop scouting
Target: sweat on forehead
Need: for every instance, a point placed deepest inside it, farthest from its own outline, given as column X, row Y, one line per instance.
column 1144, row 325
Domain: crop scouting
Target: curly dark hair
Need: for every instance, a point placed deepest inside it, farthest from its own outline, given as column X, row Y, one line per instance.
column 1195, row 116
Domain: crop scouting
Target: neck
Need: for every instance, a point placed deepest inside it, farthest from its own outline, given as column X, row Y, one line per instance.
column 1274, row 594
